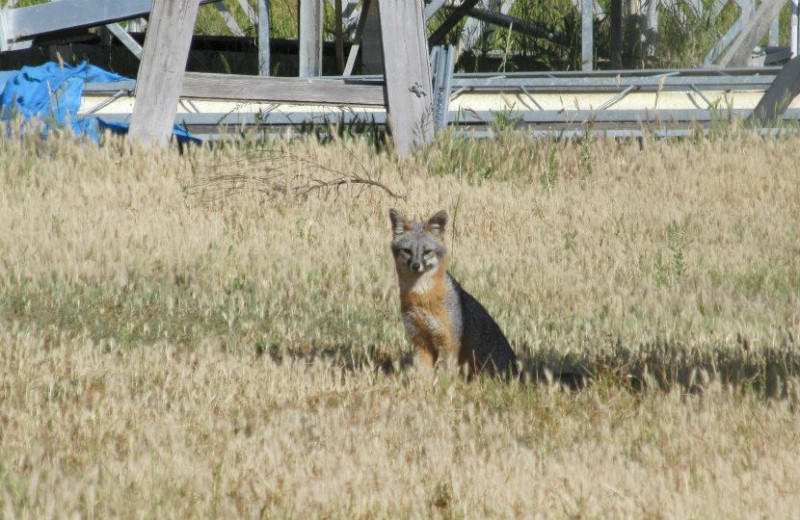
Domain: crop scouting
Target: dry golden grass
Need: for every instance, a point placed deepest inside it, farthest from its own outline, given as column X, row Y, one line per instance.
column 175, row 341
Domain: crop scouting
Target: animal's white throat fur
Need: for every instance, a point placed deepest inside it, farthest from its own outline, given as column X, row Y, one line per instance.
column 424, row 283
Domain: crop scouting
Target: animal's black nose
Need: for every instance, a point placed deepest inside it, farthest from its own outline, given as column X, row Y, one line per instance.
column 415, row 266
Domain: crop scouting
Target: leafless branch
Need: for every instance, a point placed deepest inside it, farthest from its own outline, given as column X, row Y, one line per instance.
column 274, row 177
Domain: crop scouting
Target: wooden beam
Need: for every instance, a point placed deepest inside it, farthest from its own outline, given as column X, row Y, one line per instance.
column 49, row 17
column 248, row 11
column 126, row 39
column 354, row 48
column 4, row 36
column 616, row 33
column 785, row 87
column 409, row 92
column 310, row 30
column 587, row 34
column 282, row 90
column 517, row 24
column 774, row 32
column 451, row 21
column 723, row 43
column 793, row 22
column 201, row 85
column 229, row 20
column 372, row 46
column 755, row 29
column 161, row 69
column 651, row 29
column 263, row 38
column 339, row 36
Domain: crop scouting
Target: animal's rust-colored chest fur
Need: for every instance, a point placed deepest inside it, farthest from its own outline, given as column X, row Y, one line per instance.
column 425, row 316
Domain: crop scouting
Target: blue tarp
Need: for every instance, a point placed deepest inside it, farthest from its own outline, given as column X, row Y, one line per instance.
column 52, row 93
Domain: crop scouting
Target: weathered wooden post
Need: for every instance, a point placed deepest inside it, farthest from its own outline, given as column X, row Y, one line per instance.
column 356, row 46
column 785, row 87
column 372, row 48
column 587, row 34
column 793, row 21
column 161, row 69
column 616, row 33
column 310, row 34
column 409, row 92
column 339, row 36
column 651, row 29
column 263, row 38
column 752, row 32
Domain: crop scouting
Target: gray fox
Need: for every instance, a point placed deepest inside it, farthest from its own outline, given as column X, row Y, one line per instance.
column 442, row 320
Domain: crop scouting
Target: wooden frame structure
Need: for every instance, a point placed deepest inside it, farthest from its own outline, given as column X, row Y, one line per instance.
column 19, row 25
column 407, row 88
column 406, row 92
column 390, row 37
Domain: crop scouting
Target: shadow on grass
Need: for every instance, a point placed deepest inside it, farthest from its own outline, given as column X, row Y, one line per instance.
column 662, row 365
column 768, row 371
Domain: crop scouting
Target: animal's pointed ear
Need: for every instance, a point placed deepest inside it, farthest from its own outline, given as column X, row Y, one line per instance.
column 398, row 222
column 437, row 223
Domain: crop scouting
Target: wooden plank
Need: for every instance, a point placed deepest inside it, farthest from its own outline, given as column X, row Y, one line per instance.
column 587, row 34
column 793, row 22
column 4, row 36
column 339, row 36
column 519, row 25
column 752, row 32
column 372, row 46
column 451, row 21
column 282, row 90
column 310, row 30
column 162, row 67
column 354, row 48
column 198, row 85
column 409, row 92
column 35, row 20
column 774, row 32
column 248, row 11
column 616, row 34
column 264, row 58
column 228, row 18
column 126, row 39
column 723, row 43
column 785, row 87
column 651, row 29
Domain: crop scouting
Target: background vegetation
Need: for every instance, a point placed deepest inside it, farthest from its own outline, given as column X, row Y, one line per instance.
column 215, row 334
column 685, row 34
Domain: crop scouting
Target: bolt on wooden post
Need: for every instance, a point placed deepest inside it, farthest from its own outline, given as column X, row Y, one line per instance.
column 162, row 67
column 408, row 86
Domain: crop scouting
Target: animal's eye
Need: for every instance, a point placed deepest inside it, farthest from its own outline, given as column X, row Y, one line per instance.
column 428, row 252
column 406, row 252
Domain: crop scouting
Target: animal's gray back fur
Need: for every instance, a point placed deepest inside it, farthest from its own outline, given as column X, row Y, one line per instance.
column 479, row 334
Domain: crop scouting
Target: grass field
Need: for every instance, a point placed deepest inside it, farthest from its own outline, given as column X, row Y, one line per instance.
column 218, row 334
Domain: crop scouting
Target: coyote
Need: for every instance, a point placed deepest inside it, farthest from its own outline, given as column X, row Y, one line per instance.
column 443, row 321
